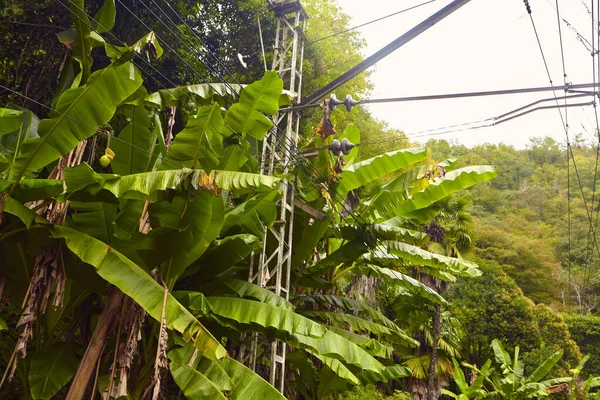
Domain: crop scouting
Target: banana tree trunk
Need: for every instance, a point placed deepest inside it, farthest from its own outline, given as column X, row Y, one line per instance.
column 432, row 388
column 94, row 350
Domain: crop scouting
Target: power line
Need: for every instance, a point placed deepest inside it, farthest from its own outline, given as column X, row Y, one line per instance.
column 569, row 87
column 370, row 22
column 564, row 123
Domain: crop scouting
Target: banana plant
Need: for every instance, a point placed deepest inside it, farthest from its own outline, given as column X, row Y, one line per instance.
column 102, row 262
column 474, row 390
column 513, row 384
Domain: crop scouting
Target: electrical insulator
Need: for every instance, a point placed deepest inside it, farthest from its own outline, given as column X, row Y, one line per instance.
column 334, row 102
column 338, row 148
column 349, row 102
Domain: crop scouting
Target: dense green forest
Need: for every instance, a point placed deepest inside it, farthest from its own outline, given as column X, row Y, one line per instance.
column 132, row 207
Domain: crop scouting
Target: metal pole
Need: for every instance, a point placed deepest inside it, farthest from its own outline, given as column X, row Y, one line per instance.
column 387, row 50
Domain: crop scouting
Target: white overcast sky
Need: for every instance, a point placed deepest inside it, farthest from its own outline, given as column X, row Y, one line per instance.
column 485, row 45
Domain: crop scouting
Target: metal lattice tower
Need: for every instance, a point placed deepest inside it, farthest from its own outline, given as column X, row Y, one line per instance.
column 274, row 263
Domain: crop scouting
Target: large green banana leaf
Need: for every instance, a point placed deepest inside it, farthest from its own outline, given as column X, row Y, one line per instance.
column 253, row 214
column 195, row 386
column 116, row 53
column 348, row 253
column 12, row 139
column 199, row 143
column 230, row 376
column 348, row 304
column 233, row 157
column 244, row 311
column 175, row 97
column 82, row 47
column 389, row 372
column 338, row 367
column 544, row 368
column 137, row 284
column 247, row 116
column 362, row 325
column 248, row 385
column 145, row 186
column 370, row 345
column 247, row 289
column 226, row 253
column 34, row 189
column 452, row 182
column 335, row 346
column 82, row 111
column 198, row 219
column 51, row 370
column 299, row 331
column 388, row 232
column 359, row 174
column 104, row 20
column 25, row 214
column 404, row 281
column 95, row 219
column 135, row 145
column 10, row 120
column 416, row 256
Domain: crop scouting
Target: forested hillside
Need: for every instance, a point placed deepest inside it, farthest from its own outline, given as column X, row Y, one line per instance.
column 135, row 206
column 532, row 227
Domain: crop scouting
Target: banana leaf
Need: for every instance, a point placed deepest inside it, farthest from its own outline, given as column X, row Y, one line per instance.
column 253, row 214
column 104, row 20
column 10, row 120
column 292, row 328
column 416, row 256
column 81, row 112
column 348, row 304
column 452, row 182
column 404, row 281
column 371, row 346
column 544, row 368
column 198, row 220
column 137, row 284
column 247, row 115
column 226, row 253
column 248, row 385
column 338, row 367
column 135, row 145
column 389, row 372
column 82, row 47
column 94, row 219
column 247, row 289
column 359, row 174
column 348, row 253
column 193, row 384
column 25, row 214
column 33, row 189
column 146, row 186
column 198, row 145
column 244, row 311
column 362, row 325
column 11, row 141
column 393, row 231
column 51, row 370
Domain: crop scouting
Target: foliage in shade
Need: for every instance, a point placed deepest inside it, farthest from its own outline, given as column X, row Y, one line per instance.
column 51, row 370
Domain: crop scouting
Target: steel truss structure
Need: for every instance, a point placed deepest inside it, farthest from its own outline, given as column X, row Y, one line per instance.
column 274, row 263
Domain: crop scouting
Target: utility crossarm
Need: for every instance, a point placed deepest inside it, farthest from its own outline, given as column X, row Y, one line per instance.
column 385, row 51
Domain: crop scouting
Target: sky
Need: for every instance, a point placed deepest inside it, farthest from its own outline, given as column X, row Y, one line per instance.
column 484, row 45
